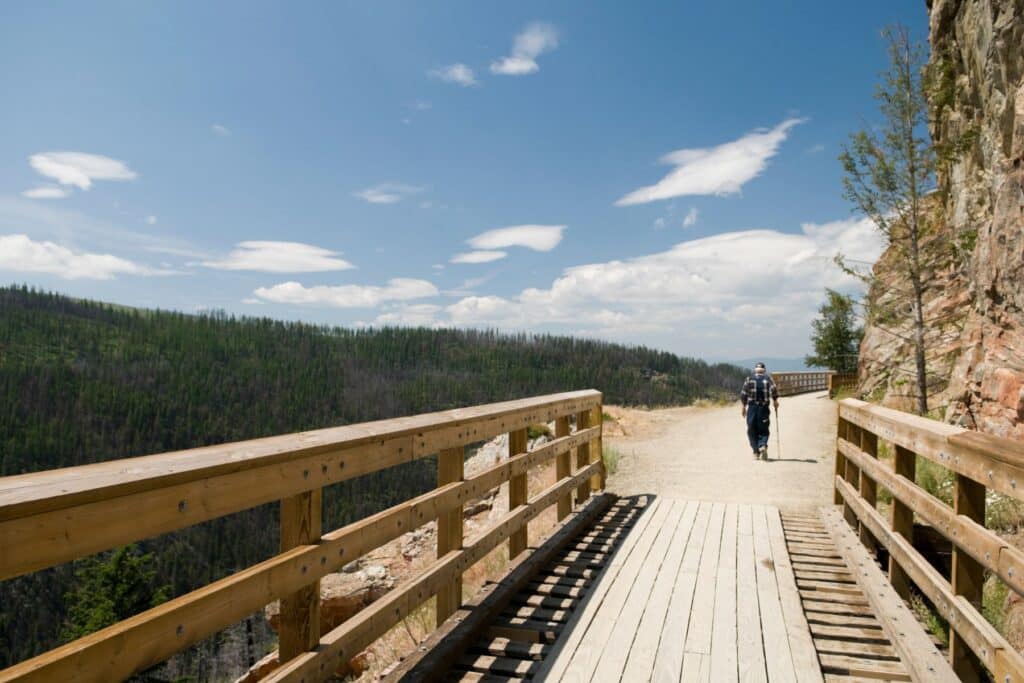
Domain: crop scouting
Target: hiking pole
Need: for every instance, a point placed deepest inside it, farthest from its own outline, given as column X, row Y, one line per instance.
column 778, row 433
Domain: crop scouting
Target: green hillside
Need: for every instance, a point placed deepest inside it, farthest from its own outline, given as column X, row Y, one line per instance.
column 83, row 382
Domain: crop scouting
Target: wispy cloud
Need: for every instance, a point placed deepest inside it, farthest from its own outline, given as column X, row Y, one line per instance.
column 422, row 105
column 150, row 220
column 458, row 73
column 486, row 256
column 79, row 169
column 220, row 129
column 279, row 257
column 533, row 41
column 46, row 192
column 690, row 219
column 22, row 254
column 536, row 237
column 348, row 296
column 387, row 193
column 816, row 149
column 697, row 293
column 721, row 170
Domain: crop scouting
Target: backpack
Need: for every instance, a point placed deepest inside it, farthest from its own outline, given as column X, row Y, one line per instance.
column 761, row 388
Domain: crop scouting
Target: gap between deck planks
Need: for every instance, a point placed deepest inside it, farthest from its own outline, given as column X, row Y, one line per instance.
column 699, row 591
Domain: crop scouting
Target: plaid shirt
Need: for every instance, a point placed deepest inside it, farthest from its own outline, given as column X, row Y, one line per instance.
column 749, row 393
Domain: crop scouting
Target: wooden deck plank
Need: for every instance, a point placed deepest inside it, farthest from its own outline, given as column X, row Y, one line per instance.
column 563, row 656
column 585, row 659
column 724, row 664
column 750, row 650
column 668, row 661
column 777, row 654
column 702, row 612
column 612, row 661
column 640, row 663
column 805, row 659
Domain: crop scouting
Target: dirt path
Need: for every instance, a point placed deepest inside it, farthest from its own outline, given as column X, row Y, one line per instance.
column 701, row 453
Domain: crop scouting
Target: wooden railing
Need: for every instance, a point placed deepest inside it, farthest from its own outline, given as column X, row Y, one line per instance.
column 49, row 518
column 841, row 381
column 979, row 463
column 790, row 383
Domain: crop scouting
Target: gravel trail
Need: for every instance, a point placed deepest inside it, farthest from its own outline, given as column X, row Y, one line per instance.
column 701, row 453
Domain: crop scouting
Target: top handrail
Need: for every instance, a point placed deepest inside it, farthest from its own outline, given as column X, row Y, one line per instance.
column 58, row 515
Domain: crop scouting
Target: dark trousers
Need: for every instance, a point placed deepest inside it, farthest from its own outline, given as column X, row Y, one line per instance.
column 758, row 421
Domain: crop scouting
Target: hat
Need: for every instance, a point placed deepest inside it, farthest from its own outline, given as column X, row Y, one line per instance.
column 759, row 366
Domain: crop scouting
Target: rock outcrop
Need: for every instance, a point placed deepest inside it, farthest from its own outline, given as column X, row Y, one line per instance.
column 975, row 296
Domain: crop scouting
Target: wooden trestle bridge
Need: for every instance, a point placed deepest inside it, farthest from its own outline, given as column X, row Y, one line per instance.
column 625, row 589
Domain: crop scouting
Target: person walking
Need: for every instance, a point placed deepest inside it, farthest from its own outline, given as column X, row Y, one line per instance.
column 758, row 391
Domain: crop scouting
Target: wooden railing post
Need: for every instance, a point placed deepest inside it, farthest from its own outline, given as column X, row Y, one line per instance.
column 968, row 576
column 450, row 464
column 840, row 470
column 867, row 486
column 599, row 482
column 905, row 464
column 517, row 491
column 563, row 468
column 299, row 629
column 582, row 456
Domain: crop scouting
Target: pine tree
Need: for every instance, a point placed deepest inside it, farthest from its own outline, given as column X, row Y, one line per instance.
column 110, row 588
column 836, row 336
column 887, row 172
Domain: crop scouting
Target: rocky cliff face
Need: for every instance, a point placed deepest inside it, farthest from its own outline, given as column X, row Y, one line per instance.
column 976, row 292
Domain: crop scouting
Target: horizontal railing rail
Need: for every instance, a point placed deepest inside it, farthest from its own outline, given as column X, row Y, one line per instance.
column 52, row 517
column 978, row 463
column 790, row 383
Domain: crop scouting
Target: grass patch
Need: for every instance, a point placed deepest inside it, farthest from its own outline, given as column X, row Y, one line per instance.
column 611, row 456
column 605, row 417
column 993, row 602
column 1003, row 513
column 538, row 430
column 931, row 619
column 936, row 480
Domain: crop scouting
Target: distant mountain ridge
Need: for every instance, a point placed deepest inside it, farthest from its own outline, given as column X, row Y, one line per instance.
column 776, row 364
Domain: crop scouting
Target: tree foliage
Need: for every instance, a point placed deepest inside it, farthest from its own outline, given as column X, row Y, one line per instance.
column 835, row 334
column 109, row 588
column 887, row 172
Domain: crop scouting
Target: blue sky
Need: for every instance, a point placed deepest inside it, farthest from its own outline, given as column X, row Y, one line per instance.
column 656, row 173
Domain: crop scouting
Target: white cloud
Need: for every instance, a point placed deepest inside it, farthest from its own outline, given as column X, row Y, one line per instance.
column 348, row 296
column 730, row 293
column 20, row 253
column 721, row 170
column 220, row 130
column 536, row 237
column 280, row 257
column 150, row 220
column 408, row 315
column 387, row 193
column 816, row 149
column 79, row 169
column 422, row 105
column 438, row 266
column 485, row 256
column 458, row 73
column 659, row 223
column 691, row 217
column 45, row 192
column 534, row 40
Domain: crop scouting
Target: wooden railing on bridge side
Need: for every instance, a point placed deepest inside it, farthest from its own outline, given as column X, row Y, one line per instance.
column 980, row 463
column 49, row 518
column 791, row 383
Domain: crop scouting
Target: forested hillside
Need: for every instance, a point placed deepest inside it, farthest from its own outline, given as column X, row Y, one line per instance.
column 82, row 382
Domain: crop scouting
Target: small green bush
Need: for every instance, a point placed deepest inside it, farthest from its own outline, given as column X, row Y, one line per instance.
column 610, row 456
column 538, row 430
